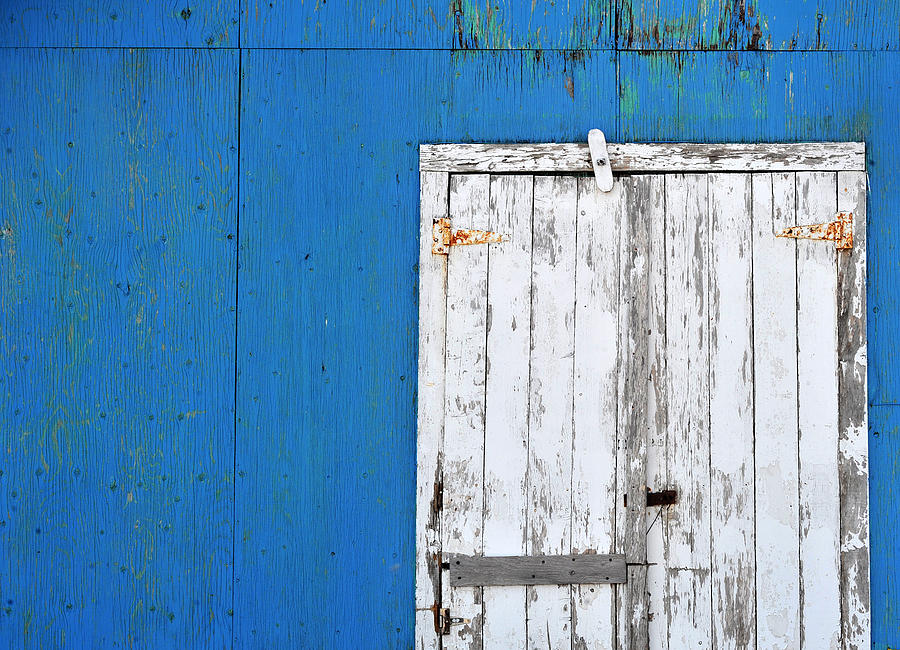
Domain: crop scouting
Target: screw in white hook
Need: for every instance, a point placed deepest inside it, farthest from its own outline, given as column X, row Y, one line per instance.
column 600, row 160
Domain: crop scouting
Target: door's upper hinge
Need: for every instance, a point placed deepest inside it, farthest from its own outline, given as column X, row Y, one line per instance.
column 840, row 231
column 444, row 237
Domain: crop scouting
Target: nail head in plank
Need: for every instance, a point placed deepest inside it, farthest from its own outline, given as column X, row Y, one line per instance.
column 586, row 568
column 632, row 157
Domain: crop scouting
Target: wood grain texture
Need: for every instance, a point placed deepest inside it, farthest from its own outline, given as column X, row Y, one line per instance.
column 330, row 279
column 722, row 25
column 775, row 413
column 434, row 204
column 550, row 409
column 343, row 465
column 643, row 158
column 731, row 422
column 853, row 451
column 546, row 25
column 687, row 347
column 89, row 23
column 657, row 518
column 642, row 196
column 569, row 569
column 753, row 97
column 506, row 418
column 817, row 371
column 433, row 24
column 462, row 517
column 595, row 403
column 117, row 347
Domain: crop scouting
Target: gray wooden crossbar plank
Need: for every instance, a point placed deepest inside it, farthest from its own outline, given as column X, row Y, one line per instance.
column 574, row 157
column 588, row 568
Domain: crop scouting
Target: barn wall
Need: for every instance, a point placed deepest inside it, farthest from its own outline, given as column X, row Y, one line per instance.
column 208, row 277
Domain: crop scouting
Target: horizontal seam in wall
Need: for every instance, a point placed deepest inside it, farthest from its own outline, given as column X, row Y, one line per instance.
column 643, row 52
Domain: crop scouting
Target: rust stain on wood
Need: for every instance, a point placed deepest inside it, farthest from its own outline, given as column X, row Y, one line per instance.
column 444, row 237
column 840, row 231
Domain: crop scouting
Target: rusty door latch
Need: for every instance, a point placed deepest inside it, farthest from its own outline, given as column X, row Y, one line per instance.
column 444, row 621
column 443, row 237
column 661, row 498
column 840, row 231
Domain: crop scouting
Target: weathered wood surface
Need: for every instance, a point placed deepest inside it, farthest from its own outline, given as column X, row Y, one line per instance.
column 722, row 25
column 853, row 449
column 817, row 370
column 776, row 465
column 569, row 569
column 506, row 418
column 643, row 158
column 656, row 519
column 643, row 196
column 550, row 409
column 595, row 397
column 688, row 532
column 464, row 403
column 88, row 23
column 731, row 412
column 435, row 187
column 545, row 25
column 665, row 356
column 118, row 261
column 344, row 465
column 439, row 24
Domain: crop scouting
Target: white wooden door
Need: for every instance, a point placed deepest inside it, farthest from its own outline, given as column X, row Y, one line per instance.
column 656, row 337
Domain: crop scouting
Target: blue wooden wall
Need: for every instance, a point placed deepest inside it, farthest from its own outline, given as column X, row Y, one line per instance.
column 208, row 249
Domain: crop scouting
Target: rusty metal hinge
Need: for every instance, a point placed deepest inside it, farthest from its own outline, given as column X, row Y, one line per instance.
column 840, row 231
column 443, row 237
column 444, row 621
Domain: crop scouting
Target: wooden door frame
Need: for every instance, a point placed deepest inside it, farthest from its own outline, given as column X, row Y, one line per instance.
column 439, row 161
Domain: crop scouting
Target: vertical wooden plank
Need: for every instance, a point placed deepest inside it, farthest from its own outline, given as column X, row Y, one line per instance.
column 87, row 23
column 506, row 416
column 731, row 412
column 853, row 452
column 656, row 520
column 818, row 418
column 118, row 259
column 433, row 204
column 431, row 24
column 643, row 195
column 687, row 340
column 775, row 414
column 550, row 407
column 595, row 400
column 463, row 450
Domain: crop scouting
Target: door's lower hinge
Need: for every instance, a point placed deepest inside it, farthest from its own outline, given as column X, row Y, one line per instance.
column 840, row 231
column 444, row 621
column 443, row 237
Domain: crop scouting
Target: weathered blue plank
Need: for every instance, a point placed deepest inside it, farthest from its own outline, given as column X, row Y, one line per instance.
column 328, row 319
column 134, row 23
column 760, row 97
column 437, row 24
column 884, row 466
column 549, row 24
column 758, row 25
column 118, row 175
